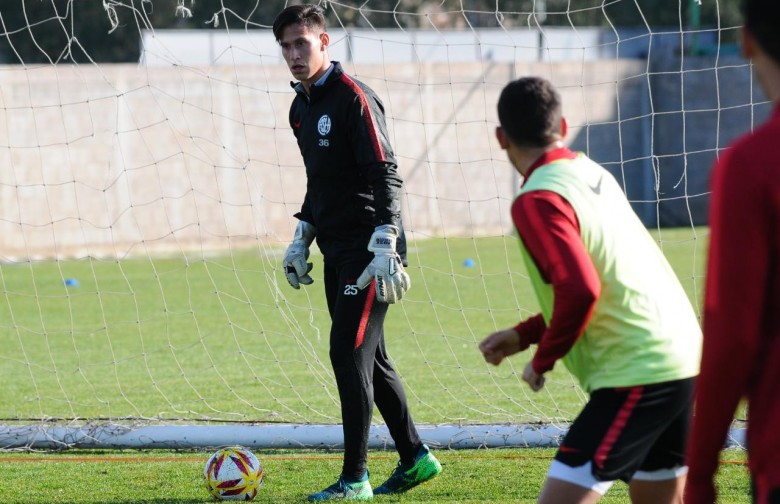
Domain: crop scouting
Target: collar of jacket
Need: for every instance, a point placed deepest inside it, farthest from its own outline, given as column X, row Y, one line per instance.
column 318, row 91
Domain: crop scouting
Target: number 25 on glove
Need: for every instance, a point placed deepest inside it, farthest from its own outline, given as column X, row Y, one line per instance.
column 392, row 281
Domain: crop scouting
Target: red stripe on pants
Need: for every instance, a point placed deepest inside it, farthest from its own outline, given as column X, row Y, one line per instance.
column 364, row 316
column 617, row 427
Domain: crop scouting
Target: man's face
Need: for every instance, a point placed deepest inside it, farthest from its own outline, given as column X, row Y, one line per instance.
column 305, row 51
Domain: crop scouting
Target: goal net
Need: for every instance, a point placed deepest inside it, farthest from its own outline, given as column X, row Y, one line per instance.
column 150, row 177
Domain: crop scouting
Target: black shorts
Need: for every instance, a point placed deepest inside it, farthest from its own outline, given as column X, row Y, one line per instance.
column 628, row 429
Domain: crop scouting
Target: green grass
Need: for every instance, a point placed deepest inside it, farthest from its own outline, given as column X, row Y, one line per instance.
column 224, row 338
column 498, row 475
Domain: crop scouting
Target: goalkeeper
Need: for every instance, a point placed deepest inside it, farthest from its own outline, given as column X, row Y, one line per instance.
column 352, row 208
column 612, row 310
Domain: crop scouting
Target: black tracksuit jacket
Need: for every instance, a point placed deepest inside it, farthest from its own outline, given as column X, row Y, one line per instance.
column 352, row 179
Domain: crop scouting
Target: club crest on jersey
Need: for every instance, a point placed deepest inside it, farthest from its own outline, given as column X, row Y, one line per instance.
column 323, row 125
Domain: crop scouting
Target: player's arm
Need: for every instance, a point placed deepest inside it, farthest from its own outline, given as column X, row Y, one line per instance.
column 549, row 228
column 734, row 308
column 374, row 156
column 502, row 344
column 530, row 331
column 305, row 213
column 293, row 117
column 295, row 260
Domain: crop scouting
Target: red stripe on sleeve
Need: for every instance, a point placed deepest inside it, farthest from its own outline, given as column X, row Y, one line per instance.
column 361, row 333
column 602, row 452
column 371, row 126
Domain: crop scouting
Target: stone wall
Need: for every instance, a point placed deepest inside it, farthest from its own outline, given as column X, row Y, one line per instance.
column 123, row 159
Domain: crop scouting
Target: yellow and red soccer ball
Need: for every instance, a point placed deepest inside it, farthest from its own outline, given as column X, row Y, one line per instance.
column 233, row 474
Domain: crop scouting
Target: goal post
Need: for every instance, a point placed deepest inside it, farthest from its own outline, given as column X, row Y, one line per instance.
column 145, row 206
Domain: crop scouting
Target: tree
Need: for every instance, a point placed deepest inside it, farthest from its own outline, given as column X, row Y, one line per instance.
column 55, row 31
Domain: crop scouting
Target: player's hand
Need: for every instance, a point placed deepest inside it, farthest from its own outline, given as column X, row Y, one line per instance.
column 532, row 378
column 296, row 269
column 499, row 345
column 392, row 281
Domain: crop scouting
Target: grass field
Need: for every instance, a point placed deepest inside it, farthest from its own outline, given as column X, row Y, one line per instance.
column 497, row 476
column 222, row 337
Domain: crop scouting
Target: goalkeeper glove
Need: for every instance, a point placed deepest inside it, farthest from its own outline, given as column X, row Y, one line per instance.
column 296, row 269
column 386, row 268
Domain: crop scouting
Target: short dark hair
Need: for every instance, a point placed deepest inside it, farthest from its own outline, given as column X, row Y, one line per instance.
column 529, row 111
column 762, row 18
column 311, row 16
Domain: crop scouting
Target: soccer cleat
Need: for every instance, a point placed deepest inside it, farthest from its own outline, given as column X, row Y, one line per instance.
column 344, row 490
column 425, row 467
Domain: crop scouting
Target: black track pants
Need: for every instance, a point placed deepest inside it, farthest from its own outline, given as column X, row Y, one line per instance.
column 364, row 375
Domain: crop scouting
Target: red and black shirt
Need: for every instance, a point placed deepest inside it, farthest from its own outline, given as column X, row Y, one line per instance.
column 352, row 179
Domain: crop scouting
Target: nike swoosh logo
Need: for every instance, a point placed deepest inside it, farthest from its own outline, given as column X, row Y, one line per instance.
column 567, row 449
column 597, row 188
column 296, row 125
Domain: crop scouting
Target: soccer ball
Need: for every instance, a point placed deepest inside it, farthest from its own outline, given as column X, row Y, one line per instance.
column 233, row 474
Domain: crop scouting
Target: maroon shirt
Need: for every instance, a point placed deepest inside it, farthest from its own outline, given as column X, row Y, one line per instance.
column 741, row 353
column 550, row 231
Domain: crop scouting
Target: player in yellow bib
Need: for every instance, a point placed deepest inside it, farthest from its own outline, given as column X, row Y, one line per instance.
column 612, row 310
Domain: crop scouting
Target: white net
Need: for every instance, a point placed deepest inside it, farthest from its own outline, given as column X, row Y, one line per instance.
column 150, row 177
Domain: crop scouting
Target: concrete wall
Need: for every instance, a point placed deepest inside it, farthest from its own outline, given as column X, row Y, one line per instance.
column 390, row 46
column 721, row 100
column 125, row 159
